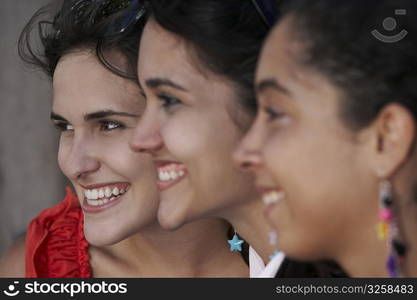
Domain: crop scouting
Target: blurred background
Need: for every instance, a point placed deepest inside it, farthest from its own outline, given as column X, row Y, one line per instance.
column 29, row 176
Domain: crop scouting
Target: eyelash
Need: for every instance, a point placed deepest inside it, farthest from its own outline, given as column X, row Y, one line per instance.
column 168, row 101
column 273, row 114
column 104, row 124
column 62, row 126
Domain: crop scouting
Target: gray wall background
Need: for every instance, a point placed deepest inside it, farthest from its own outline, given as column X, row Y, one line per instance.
column 29, row 176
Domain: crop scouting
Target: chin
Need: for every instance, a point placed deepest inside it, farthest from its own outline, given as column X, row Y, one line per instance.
column 169, row 220
column 100, row 241
column 300, row 250
column 103, row 237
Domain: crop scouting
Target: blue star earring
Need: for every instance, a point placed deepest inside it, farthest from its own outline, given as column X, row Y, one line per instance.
column 235, row 243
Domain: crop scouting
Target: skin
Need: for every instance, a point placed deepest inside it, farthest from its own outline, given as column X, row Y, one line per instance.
column 189, row 121
column 94, row 149
column 330, row 174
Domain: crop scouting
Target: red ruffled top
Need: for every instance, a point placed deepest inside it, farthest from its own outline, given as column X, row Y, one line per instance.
column 55, row 242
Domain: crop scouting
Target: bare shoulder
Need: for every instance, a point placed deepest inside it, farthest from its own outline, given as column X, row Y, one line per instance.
column 12, row 262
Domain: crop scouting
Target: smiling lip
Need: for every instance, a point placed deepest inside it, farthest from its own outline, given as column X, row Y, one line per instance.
column 169, row 173
column 105, row 202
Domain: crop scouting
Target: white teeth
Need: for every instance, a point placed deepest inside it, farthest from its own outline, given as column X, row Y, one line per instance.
column 97, row 197
column 100, row 202
column 170, row 175
column 273, row 197
column 108, row 192
column 92, row 202
column 165, row 176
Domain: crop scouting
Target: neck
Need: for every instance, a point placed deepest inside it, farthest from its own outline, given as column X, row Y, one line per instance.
column 249, row 222
column 366, row 257
column 198, row 249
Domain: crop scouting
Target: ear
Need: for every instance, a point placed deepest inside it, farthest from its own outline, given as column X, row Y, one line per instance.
column 394, row 137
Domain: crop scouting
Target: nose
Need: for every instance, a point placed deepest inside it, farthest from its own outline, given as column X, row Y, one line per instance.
column 81, row 159
column 248, row 155
column 146, row 137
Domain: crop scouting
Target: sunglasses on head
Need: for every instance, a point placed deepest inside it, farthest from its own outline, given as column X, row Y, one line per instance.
column 268, row 10
column 135, row 9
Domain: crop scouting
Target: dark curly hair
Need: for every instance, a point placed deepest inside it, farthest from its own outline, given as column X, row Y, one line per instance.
column 72, row 25
column 338, row 41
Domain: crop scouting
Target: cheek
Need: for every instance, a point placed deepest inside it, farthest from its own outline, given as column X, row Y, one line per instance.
column 185, row 139
column 282, row 155
column 317, row 172
column 63, row 152
column 121, row 160
column 308, row 170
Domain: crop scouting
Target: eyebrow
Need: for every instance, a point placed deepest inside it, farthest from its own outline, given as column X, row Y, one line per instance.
column 96, row 115
column 271, row 83
column 157, row 82
column 56, row 117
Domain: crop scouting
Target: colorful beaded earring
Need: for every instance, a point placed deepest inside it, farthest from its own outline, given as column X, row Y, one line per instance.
column 385, row 209
column 387, row 229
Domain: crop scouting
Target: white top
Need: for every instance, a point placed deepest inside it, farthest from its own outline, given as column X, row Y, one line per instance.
column 257, row 268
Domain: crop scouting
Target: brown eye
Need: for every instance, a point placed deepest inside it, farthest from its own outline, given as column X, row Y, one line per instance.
column 168, row 101
column 273, row 114
column 63, row 126
column 109, row 125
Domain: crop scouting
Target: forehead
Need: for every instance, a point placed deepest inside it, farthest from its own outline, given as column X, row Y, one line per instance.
column 164, row 54
column 279, row 52
column 282, row 59
column 80, row 77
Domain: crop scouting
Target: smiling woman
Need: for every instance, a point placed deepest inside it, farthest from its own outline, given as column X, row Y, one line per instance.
column 109, row 226
column 334, row 140
column 113, row 183
column 196, row 66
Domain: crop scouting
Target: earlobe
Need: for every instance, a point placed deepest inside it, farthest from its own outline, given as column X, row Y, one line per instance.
column 395, row 128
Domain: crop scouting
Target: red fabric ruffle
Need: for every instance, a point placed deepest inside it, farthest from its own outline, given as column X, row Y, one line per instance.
column 55, row 242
